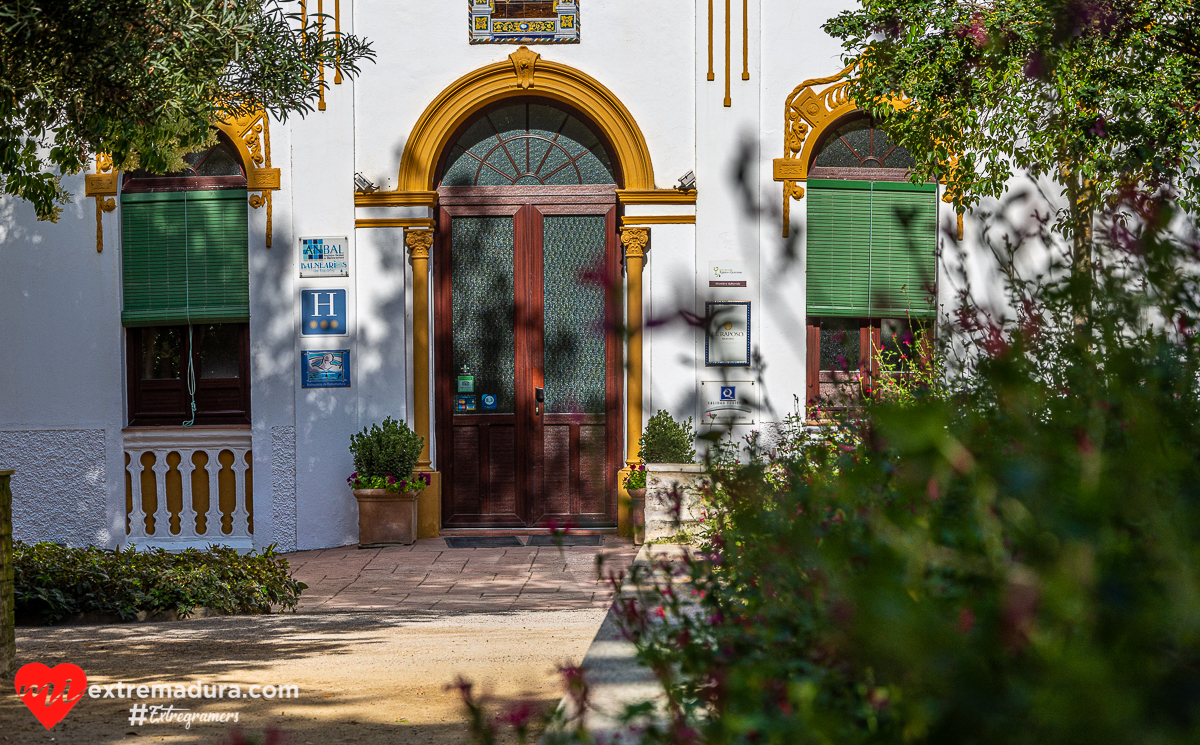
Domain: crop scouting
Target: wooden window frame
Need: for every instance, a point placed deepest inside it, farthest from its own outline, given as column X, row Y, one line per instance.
column 142, row 413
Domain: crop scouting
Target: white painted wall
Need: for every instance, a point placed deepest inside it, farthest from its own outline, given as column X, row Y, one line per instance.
column 61, row 301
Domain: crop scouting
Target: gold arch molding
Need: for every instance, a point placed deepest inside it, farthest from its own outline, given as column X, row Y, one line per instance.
column 250, row 134
column 524, row 73
column 809, row 110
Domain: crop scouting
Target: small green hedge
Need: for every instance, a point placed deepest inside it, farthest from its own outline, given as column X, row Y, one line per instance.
column 54, row 582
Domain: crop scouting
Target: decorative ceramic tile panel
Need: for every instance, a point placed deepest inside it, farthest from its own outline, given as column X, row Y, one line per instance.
column 523, row 21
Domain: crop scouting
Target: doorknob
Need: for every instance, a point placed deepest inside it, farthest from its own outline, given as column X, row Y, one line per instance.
column 539, row 398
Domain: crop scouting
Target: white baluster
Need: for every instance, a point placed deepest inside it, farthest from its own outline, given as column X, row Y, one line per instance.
column 137, row 518
column 162, row 516
column 212, row 526
column 187, row 512
column 240, row 519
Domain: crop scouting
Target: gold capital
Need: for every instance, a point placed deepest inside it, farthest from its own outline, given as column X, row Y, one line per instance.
column 634, row 240
column 418, row 242
column 524, row 63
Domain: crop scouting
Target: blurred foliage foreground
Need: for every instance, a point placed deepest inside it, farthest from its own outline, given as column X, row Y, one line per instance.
column 1010, row 556
column 1006, row 554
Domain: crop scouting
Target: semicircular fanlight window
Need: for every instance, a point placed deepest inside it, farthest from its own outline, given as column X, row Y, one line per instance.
column 219, row 160
column 859, row 145
column 528, row 144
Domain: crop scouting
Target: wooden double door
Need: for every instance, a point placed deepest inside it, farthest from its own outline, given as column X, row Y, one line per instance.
column 528, row 362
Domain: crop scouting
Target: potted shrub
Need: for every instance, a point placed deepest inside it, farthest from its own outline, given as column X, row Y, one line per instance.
column 384, row 483
column 635, row 487
column 673, row 479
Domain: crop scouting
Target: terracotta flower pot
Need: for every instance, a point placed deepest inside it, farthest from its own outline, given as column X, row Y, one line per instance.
column 637, row 514
column 386, row 518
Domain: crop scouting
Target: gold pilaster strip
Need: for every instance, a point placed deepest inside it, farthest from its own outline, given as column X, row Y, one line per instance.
column 745, row 40
column 636, row 242
column 711, row 76
column 659, row 220
column 656, row 196
column 418, row 242
column 394, row 222
column 728, row 100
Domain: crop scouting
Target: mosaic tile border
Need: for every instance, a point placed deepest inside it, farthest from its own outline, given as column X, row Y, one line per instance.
column 563, row 28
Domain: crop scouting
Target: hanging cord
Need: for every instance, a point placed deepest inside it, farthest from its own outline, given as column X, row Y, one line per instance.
column 191, row 367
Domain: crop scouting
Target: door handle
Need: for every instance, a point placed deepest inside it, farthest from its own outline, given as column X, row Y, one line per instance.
column 539, row 398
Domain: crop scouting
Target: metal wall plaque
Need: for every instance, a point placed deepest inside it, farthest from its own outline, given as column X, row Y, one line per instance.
column 325, row 368
column 726, row 274
column 727, row 401
column 324, row 256
column 727, row 335
column 323, row 313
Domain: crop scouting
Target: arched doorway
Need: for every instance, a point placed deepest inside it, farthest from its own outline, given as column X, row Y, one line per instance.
column 527, row 388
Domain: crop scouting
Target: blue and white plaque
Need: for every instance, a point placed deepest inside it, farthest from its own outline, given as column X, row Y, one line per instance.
column 324, row 256
column 325, row 368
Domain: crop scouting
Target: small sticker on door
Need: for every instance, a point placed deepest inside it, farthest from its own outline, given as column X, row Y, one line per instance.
column 466, row 383
column 488, row 400
column 464, row 403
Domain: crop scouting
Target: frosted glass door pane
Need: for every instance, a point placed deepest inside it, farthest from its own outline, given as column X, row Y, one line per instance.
column 573, row 313
column 481, row 270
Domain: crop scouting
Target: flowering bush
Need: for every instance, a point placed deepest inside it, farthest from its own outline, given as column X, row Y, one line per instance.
column 414, row 482
column 636, row 478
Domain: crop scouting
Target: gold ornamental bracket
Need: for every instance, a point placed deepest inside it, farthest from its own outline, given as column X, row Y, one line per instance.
column 810, row 108
column 251, row 135
column 102, row 185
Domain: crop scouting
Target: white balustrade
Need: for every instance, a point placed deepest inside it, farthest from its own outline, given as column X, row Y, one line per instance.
column 186, row 443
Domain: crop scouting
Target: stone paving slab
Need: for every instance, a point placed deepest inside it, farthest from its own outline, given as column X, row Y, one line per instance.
column 430, row 576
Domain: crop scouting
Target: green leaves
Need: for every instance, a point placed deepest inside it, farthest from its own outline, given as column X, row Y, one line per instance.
column 144, row 80
column 390, row 450
column 668, row 441
column 54, row 582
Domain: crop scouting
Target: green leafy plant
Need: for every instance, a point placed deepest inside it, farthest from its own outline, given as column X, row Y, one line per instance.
column 54, row 582
column 385, row 456
column 668, row 441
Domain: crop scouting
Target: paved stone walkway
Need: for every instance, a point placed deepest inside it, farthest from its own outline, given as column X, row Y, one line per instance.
column 428, row 576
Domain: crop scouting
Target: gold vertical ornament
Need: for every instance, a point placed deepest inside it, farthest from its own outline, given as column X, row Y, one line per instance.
column 745, row 40
column 711, row 76
column 102, row 185
column 337, row 34
column 728, row 100
column 418, row 243
column 321, row 71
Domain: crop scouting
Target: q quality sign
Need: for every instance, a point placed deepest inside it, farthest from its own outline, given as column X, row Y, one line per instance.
column 727, row 337
column 324, row 256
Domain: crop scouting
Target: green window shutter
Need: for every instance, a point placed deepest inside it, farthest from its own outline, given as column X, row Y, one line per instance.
column 872, row 248
column 184, row 257
column 904, row 250
column 839, row 248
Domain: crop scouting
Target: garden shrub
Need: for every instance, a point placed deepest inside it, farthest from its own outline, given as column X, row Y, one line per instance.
column 391, row 449
column 668, row 441
column 55, row 582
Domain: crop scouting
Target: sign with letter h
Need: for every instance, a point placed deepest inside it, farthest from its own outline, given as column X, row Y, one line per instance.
column 323, row 313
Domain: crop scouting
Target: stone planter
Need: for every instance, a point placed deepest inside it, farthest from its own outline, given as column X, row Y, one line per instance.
column 386, row 518
column 637, row 514
column 663, row 481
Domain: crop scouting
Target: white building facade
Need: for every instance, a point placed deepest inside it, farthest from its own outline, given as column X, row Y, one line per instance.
column 567, row 216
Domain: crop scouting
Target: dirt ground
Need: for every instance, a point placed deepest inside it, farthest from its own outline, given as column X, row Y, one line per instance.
column 362, row 677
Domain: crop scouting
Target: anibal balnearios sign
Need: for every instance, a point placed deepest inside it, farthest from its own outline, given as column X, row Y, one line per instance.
column 727, row 337
column 324, row 256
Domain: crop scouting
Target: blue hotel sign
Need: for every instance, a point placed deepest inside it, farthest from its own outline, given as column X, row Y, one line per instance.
column 323, row 313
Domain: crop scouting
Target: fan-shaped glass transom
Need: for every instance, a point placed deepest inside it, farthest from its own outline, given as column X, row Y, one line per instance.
column 859, row 145
column 528, row 144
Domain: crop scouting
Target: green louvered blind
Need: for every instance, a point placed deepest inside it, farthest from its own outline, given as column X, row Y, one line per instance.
column 185, row 257
column 872, row 248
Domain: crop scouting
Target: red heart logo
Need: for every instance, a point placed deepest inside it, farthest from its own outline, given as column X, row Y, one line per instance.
column 50, row 693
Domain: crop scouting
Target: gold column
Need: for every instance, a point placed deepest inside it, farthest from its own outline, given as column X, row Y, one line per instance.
column 418, row 243
column 636, row 241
